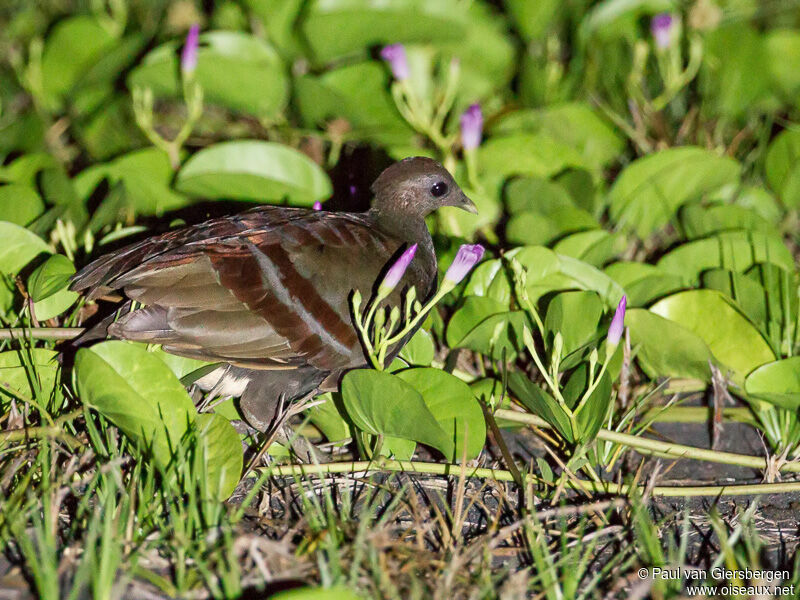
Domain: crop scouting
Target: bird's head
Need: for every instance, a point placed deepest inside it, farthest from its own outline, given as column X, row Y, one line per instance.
column 416, row 187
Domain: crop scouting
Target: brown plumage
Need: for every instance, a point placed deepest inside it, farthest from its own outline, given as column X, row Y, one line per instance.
column 266, row 292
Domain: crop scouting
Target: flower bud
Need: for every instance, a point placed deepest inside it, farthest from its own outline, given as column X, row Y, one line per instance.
column 617, row 326
column 395, row 55
column 189, row 53
column 471, row 127
column 467, row 257
column 661, row 26
column 396, row 271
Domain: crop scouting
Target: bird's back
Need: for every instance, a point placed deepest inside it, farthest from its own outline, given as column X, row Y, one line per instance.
column 266, row 289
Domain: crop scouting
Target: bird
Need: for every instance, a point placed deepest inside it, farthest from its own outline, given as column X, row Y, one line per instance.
column 265, row 294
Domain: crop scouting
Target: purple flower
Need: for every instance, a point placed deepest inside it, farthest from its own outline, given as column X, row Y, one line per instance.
column 317, row 205
column 467, row 257
column 396, row 271
column 617, row 325
column 395, row 55
column 189, row 54
column 661, row 28
column 471, row 127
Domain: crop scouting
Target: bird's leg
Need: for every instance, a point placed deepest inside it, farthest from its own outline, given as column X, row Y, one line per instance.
column 279, row 431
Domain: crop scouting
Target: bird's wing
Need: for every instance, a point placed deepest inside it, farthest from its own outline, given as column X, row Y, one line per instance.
column 266, row 289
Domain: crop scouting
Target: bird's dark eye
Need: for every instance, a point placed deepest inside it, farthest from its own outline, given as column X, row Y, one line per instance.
column 439, row 189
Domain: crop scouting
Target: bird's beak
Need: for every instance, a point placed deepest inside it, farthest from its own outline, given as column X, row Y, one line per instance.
column 468, row 205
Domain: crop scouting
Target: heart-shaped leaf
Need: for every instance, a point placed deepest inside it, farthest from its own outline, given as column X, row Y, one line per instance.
column 729, row 335
column 136, row 391
column 254, row 170
column 383, row 404
column 19, row 247
column 50, row 277
column 454, row 406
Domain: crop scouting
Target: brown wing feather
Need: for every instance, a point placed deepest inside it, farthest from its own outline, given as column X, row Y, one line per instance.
column 265, row 289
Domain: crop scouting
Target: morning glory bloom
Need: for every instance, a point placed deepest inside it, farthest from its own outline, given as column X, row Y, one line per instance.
column 617, row 325
column 661, row 27
column 189, row 53
column 471, row 127
column 468, row 256
column 317, row 205
column 395, row 55
column 396, row 271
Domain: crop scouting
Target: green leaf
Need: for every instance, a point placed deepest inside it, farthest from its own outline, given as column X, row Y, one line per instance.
column 357, row 93
column 327, row 418
column 576, row 274
column 137, row 392
column 383, row 404
column 733, row 250
column 699, row 221
column 486, row 326
column 594, row 247
column 540, row 403
column 782, row 165
column 649, row 191
column 575, row 315
column 316, row 593
column 235, row 69
column 454, row 406
column 19, row 379
column 19, row 247
column 592, row 415
column 613, row 18
column 643, row 282
column 278, row 18
column 20, row 204
column 575, row 124
column 783, row 51
column 182, row 367
column 54, row 305
column 777, row 383
column 525, row 194
column 50, row 277
column 730, row 336
column 72, row 47
column 666, row 349
column 474, row 310
column 145, row 177
column 532, row 19
column 490, row 279
column 219, row 454
column 542, row 211
column 25, row 168
column 369, row 23
column 419, row 350
column 730, row 52
column 254, row 170
column 536, row 155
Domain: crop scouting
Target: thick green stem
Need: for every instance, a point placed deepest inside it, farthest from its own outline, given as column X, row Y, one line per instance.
column 649, row 446
column 408, row 466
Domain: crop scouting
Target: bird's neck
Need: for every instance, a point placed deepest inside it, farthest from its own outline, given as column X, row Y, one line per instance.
column 410, row 229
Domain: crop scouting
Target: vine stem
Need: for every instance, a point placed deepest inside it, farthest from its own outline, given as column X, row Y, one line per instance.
column 409, row 466
column 649, row 446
